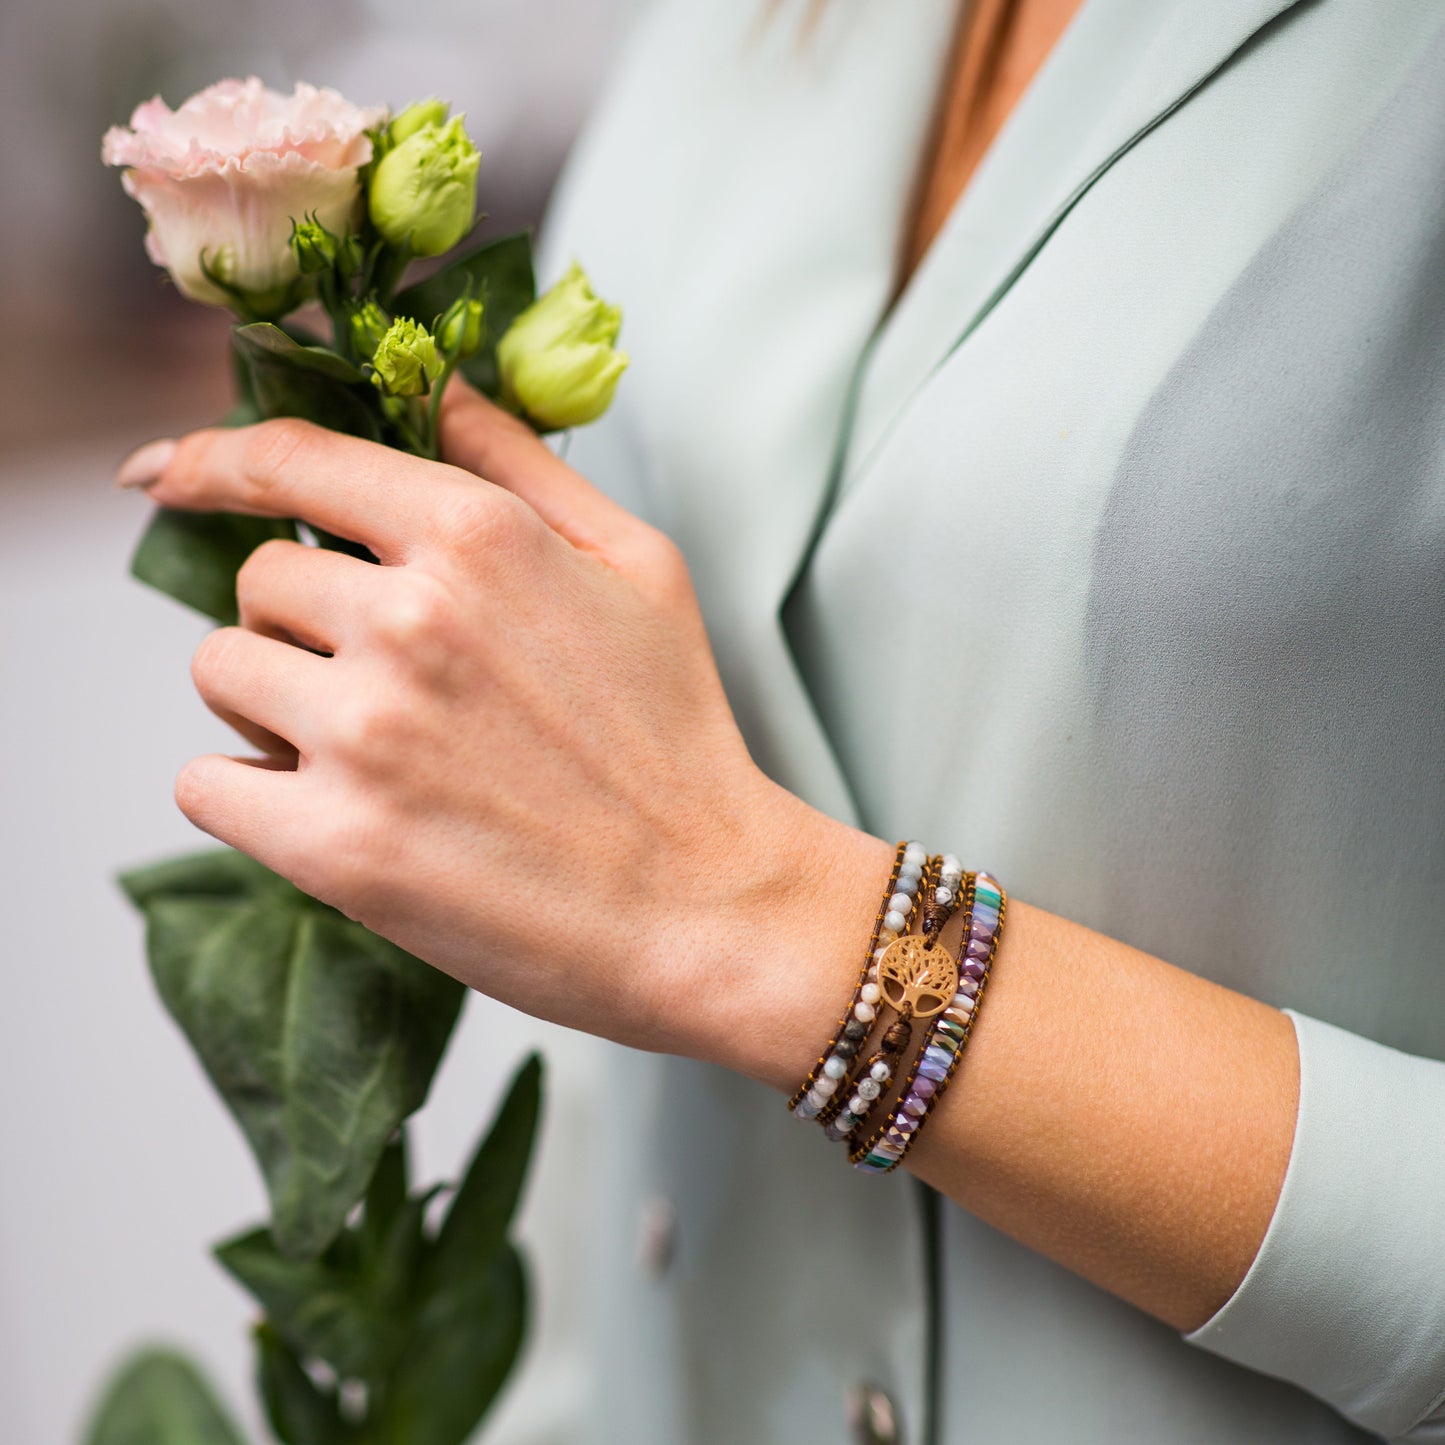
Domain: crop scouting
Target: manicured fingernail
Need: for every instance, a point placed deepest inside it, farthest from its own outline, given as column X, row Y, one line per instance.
column 145, row 465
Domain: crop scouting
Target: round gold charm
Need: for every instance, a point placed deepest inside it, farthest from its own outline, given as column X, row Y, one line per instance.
column 918, row 978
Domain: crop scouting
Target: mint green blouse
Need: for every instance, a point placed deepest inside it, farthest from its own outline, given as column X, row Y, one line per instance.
column 1160, row 424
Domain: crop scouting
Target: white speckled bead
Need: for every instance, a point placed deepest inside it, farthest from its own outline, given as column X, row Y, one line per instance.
column 870, row 993
column 835, row 1067
column 943, row 895
column 951, row 864
column 869, row 1089
column 865, row 1013
column 895, row 920
column 880, row 1071
column 857, row 1106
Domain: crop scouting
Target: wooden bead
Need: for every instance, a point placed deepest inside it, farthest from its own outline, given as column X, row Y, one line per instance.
column 896, row 1039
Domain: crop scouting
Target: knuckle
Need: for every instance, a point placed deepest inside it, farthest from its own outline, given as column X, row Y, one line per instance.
column 367, row 731
column 263, row 561
column 271, row 448
column 482, row 520
column 665, row 567
column 413, row 614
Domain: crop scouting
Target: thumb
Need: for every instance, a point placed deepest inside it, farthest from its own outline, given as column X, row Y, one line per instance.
column 479, row 436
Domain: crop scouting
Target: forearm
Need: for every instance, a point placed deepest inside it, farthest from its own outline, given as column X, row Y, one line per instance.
column 1122, row 1116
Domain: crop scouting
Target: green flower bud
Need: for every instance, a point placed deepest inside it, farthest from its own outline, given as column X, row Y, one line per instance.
column 315, row 247
column 369, row 324
column 557, row 360
column 406, row 359
column 423, row 194
column 460, row 329
column 420, row 113
column 350, row 258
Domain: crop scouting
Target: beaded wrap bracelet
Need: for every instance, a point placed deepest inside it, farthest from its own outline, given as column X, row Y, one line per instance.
column 943, row 882
column 815, row 1097
column 944, row 1043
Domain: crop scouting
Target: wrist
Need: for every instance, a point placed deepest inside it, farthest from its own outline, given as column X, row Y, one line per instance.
column 781, row 942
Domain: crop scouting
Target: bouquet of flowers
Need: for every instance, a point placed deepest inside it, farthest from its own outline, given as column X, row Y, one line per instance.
column 386, row 1321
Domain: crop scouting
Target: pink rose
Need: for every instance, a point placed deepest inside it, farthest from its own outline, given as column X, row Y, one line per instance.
column 221, row 178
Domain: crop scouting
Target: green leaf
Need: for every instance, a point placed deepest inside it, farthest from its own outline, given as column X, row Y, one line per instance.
column 351, row 1308
column 476, row 1224
column 159, row 1397
column 471, row 1308
column 194, row 556
column 262, row 343
column 385, row 1197
column 394, row 1271
column 320, row 1036
column 299, row 1410
column 462, row 1348
column 501, row 275
column 289, row 379
column 217, row 873
column 245, row 411
column 319, row 1307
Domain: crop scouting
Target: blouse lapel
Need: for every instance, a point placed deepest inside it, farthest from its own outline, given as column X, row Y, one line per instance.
column 1108, row 83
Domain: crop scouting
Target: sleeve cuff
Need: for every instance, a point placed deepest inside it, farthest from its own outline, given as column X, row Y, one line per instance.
column 1346, row 1297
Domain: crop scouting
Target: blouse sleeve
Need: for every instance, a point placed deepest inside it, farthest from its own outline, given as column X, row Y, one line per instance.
column 1346, row 1297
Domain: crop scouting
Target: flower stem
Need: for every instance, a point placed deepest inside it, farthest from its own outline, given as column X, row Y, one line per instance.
column 434, row 412
column 390, row 266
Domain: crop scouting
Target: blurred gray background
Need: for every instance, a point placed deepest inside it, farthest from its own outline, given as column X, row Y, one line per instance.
column 118, row 1168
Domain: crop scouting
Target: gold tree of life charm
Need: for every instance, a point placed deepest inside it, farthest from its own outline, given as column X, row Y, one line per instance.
column 916, row 980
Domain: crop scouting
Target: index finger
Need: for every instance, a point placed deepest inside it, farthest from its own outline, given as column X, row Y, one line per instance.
column 391, row 501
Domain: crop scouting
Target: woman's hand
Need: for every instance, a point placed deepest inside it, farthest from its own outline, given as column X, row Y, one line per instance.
column 507, row 748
